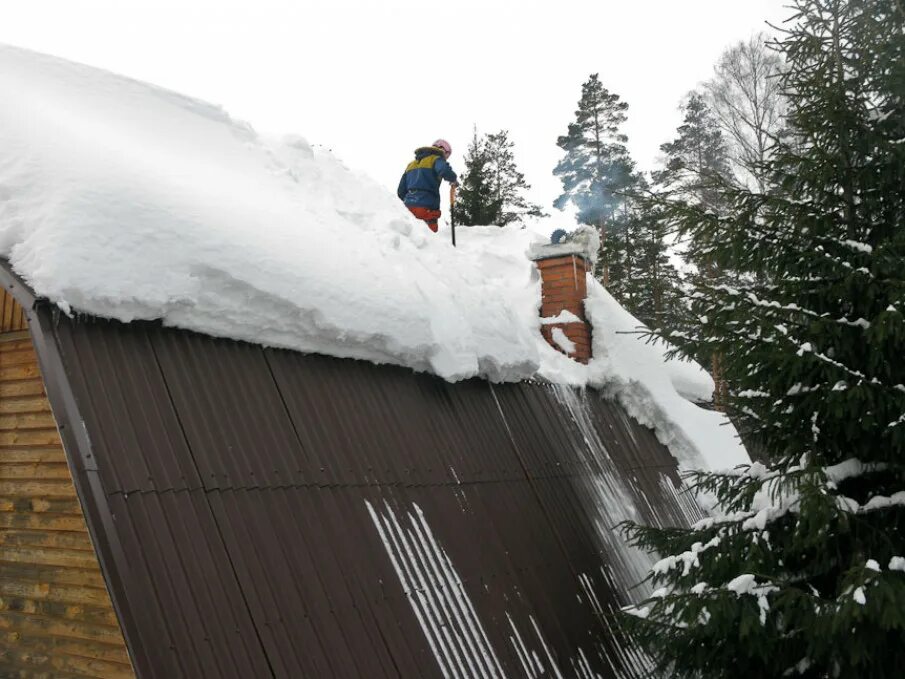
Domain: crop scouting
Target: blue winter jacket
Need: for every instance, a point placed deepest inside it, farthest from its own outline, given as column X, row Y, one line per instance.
column 420, row 184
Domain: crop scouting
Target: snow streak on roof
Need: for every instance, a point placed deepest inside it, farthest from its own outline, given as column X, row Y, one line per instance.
column 124, row 200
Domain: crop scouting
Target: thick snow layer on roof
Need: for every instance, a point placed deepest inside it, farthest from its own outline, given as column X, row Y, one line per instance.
column 127, row 201
column 655, row 391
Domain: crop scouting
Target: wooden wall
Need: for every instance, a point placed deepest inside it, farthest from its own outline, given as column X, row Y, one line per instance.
column 12, row 316
column 56, row 619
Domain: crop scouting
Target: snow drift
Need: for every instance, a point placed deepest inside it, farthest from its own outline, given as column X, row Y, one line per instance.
column 127, row 201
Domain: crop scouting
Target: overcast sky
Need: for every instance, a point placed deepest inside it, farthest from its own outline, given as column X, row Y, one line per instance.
column 373, row 79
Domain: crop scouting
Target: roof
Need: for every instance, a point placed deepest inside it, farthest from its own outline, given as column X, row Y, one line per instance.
column 128, row 201
column 400, row 499
column 262, row 512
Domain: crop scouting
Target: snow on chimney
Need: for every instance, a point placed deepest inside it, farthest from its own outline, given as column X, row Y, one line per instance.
column 563, row 265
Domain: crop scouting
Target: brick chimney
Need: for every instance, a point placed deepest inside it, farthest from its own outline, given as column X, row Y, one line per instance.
column 563, row 267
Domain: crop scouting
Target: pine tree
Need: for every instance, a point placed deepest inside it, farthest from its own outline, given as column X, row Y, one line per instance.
column 696, row 157
column 476, row 200
column 660, row 299
column 696, row 164
column 596, row 170
column 620, row 268
column 508, row 183
column 801, row 571
column 642, row 278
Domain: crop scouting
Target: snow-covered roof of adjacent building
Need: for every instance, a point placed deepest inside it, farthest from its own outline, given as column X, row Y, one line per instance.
column 123, row 200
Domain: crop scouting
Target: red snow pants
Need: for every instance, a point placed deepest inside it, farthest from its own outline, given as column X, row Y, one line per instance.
column 429, row 216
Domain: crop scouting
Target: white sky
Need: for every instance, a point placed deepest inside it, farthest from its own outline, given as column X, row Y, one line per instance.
column 373, row 79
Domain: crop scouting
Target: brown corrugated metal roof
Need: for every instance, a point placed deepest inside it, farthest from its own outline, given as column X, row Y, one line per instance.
column 265, row 513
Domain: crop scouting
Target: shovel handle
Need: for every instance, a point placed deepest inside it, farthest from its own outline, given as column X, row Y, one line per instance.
column 452, row 219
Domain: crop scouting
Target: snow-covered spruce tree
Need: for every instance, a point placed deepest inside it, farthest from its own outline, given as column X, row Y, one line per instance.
column 642, row 277
column 696, row 165
column 659, row 296
column 800, row 572
column 476, row 201
column 596, row 169
column 492, row 188
column 620, row 269
column 698, row 153
column 509, row 185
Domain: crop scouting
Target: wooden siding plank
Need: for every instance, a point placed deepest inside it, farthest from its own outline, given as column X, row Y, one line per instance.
column 92, row 615
column 37, row 489
column 15, row 341
column 39, row 505
column 7, row 670
column 29, row 438
column 81, row 577
column 63, row 594
column 28, row 421
column 76, row 540
column 37, row 471
column 12, row 316
column 25, row 388
column 12, row 455
column 6, row 308
column 24, row 404
column 41, row 625
column 72, row 646
column 18, row 356
column 9, row 313
column 19, row 372
column 58, row 664
column 105, row 661
column 45, row 522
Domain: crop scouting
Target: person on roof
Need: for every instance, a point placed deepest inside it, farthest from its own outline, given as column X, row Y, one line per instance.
column 419, row 187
